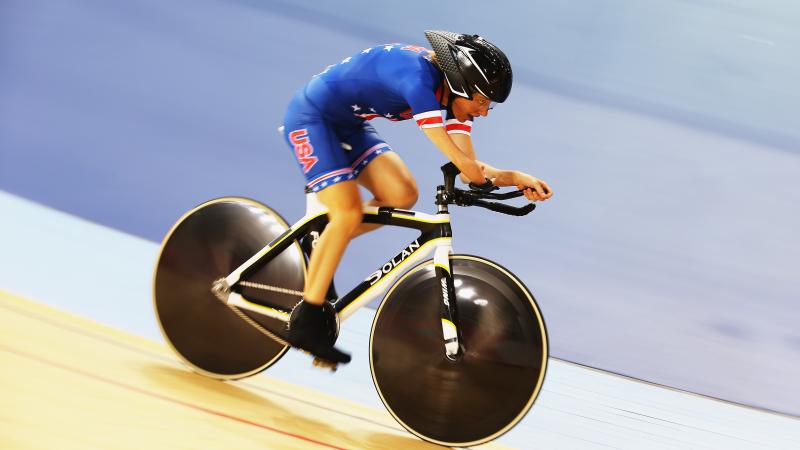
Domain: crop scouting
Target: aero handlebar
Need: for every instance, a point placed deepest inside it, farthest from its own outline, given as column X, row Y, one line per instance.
column 473, row 197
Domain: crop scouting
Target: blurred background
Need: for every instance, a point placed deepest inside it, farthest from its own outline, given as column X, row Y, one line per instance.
column 670, row 132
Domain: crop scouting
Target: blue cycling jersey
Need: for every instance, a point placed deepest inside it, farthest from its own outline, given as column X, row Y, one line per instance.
column 393, row 81
column 326, row 122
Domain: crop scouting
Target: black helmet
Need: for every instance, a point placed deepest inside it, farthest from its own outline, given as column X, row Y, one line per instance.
column 471, row 64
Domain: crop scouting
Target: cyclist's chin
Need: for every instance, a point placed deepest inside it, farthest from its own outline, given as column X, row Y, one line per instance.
column 461, row 116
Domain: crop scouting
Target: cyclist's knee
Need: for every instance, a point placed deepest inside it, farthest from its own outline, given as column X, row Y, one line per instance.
column 410, row 198
column 404, row 198
column 348, row 216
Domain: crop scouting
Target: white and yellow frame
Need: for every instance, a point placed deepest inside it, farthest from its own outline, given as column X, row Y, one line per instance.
column 435, row 238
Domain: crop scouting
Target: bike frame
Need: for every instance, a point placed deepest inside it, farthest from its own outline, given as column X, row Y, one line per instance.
column 435, row 238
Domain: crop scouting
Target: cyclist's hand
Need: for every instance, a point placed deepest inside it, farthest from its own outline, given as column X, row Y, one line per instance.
column 483, row 188
column 535, row 189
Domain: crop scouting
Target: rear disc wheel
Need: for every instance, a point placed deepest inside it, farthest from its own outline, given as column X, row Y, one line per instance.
column 207, row 244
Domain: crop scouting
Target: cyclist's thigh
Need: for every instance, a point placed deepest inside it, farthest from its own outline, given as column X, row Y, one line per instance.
column 315, row 146
column 390, row 181
column 363, row 145
column 379, row 169
column 342, row 199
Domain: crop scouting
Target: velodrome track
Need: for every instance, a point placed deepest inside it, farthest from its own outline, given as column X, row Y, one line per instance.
column 665, row 128
column 97, row 387
column 669, row 252
column 82, row 365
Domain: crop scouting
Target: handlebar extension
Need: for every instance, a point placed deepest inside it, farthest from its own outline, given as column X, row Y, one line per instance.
column 471, row 197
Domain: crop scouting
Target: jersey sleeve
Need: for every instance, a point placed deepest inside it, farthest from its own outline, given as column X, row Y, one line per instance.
column 454, row 126
column 418, row 89
column 424, row 105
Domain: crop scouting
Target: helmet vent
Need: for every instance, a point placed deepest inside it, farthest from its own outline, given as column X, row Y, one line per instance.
column 441, row 47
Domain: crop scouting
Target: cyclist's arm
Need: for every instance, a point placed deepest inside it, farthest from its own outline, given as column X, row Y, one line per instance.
column 499, row 177
column 417, row 87
column 535, row 189
column 466, row 163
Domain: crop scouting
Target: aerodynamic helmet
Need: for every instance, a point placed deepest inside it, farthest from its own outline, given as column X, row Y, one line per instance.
column 471, row 64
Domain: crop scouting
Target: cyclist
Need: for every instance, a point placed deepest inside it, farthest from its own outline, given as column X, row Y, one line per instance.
column 327, row 127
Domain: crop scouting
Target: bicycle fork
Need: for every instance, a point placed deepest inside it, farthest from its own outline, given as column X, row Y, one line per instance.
column 453, row 340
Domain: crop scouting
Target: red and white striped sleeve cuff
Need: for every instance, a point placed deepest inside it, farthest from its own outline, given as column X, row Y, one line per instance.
column 454, row 126
column 429, row 119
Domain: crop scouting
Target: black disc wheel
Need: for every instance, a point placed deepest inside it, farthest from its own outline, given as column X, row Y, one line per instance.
column 479, row 396
column 206, row 244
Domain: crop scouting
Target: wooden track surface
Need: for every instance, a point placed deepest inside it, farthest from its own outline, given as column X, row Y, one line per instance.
column 69, row 383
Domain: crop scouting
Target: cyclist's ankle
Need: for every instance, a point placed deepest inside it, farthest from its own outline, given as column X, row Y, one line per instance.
column 314, row 328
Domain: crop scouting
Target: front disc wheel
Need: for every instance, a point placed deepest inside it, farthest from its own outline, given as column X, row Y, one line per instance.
column 492, row 386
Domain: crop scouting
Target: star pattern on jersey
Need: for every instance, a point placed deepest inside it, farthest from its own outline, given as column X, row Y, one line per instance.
column 325, row 71
column 349, row 176
column 373, row 113
column 390, row 105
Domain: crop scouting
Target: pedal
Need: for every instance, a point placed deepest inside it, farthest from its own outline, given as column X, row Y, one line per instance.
column 324, row 364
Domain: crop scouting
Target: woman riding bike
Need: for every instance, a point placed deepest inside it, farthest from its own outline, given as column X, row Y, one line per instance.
column 327, row 127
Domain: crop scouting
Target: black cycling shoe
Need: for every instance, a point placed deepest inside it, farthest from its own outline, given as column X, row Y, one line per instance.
column 314, row 328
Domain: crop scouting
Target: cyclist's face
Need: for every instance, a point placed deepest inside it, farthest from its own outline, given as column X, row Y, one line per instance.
column 466, row 109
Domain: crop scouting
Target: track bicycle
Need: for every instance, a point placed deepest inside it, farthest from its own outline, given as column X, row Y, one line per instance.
column 458, row 347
